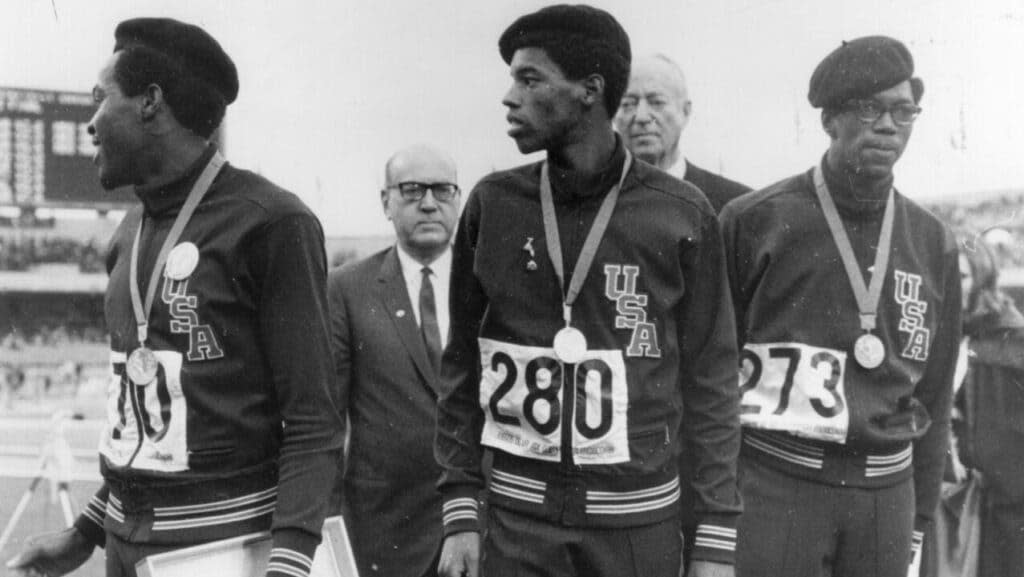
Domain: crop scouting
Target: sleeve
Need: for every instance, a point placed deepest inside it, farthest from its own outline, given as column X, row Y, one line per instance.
column 90, row 522
column 935, row 393
column 710, row 394
column 459, row 418
column 735, row 256
column 293, row 324
column 341, row 348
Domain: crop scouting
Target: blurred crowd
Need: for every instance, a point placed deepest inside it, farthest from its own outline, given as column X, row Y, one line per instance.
column 21, row 254
column 996, row 218
column 52, row 321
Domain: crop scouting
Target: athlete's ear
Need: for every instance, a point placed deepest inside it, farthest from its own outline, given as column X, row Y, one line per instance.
column 151, row 102
column 593, row 89
column 828, row 122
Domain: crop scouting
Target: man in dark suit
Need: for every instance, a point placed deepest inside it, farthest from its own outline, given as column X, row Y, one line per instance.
column 389, row 320
column 651, row 119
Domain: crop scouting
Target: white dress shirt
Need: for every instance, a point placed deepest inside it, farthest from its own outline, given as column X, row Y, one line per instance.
column 678, row 169
column 440, row 273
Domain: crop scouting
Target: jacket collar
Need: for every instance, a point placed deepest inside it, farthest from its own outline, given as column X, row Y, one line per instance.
column 168, row 197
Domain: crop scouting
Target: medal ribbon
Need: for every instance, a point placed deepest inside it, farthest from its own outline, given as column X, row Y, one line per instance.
column 191, row 202
column 867, row 297
column 590, row 244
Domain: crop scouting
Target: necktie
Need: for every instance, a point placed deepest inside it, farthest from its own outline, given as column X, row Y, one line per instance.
column 428, row 319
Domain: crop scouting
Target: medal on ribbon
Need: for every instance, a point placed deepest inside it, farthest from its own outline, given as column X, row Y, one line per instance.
column 142, row 366
column 177, row 264
column 868, row 349
column 570, row 344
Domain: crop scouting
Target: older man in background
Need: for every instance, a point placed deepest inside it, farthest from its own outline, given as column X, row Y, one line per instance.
column 651, row 119
column 389, row 318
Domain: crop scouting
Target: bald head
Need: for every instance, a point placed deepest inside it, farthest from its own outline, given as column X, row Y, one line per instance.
column 423, row 225
column 420, row 159
column 655, row 110
column 663, row 67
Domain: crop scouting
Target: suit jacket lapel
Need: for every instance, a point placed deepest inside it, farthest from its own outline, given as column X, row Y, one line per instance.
column 396, row 301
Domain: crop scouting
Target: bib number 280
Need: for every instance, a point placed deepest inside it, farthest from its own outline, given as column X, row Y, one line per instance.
column 796, row 388
column 521, row 393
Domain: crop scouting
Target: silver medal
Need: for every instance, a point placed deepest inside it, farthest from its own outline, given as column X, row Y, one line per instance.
column 570, row 345
column 181, row 261
column 142, row 366
column 869, row 351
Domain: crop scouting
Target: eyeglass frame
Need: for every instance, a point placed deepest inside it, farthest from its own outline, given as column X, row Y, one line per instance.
column 856, row 106
column 417, row 194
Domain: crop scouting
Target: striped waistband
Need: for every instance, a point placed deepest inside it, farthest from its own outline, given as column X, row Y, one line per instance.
column 202, row 515
column 534, row 491
column 814, row 456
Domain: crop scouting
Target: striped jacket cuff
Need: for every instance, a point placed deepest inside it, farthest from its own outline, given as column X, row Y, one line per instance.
column 291, row 554
column 461, row 512
column 90, row 521
column 715, row 540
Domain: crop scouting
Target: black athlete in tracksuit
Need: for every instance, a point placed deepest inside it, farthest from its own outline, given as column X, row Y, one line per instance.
column 238, row 433
column 809, row 411
column 656, row 314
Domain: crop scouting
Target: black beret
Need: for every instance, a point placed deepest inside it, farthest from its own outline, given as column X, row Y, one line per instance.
column 565, row 20
column 860, row 68
column 185, row 44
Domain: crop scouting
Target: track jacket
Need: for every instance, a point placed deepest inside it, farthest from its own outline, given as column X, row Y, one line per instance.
column 808, row 408
column 238, row 433
column 591, row 445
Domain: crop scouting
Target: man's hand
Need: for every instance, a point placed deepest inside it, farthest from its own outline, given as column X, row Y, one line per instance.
column 710, row 569
column 52, row 554
column 460, row 555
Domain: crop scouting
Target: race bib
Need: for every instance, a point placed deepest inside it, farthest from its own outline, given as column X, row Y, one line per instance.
column 796, row 388
column 521, row 393
column 146, row 424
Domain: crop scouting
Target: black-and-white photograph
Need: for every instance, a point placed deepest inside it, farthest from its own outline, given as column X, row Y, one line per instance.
column 648, row 288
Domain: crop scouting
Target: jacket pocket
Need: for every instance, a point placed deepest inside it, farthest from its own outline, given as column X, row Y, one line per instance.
column 650, row 445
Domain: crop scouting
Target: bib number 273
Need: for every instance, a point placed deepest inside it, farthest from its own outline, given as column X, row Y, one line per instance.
column 796, row 388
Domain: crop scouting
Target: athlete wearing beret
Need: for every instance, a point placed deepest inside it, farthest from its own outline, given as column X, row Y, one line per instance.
column 591, row 329
column 847, row 299
column 220, row 421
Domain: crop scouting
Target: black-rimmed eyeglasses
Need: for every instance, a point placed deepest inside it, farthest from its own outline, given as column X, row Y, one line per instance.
column 415, row 191
column 869, row 111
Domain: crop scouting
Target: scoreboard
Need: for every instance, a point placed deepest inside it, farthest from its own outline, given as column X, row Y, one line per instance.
column 46, row 152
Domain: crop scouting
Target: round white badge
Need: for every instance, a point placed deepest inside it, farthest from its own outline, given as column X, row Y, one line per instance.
column 570, row 345
column 869, row 351
column 142, row 366
column 182, row 261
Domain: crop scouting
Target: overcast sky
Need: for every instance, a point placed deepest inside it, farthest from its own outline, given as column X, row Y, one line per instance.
column 330, row 89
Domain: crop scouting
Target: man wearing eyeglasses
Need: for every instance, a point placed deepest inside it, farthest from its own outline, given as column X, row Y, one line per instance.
column 389, row 321
column 847, row 301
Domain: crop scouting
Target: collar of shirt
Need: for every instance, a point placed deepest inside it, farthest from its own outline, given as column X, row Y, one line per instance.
column 568, row 185
column 853, row 201
column 168, row 197
column 440, row 271
column 678, row 169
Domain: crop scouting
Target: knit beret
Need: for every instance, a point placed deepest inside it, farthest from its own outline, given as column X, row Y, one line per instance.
column 187, row 45
column 860, row 68
column 562, row 21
